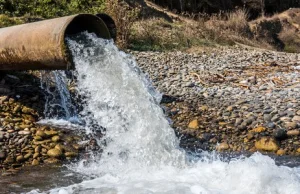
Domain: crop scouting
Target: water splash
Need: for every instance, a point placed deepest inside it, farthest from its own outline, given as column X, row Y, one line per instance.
column 142, row 153
column 58, row 103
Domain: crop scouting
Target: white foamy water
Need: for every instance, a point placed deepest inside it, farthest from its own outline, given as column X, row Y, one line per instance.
column 142, row 155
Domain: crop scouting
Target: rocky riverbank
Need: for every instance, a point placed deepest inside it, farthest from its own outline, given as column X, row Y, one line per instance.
column 227, row 99
column 230, row 99
column 23, row 141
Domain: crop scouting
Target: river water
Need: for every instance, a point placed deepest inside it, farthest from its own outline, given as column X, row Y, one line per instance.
column 141, row 154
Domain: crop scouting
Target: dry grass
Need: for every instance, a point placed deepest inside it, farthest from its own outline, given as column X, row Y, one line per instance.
column 224, row 29
column 124, row 17
column 291, row 40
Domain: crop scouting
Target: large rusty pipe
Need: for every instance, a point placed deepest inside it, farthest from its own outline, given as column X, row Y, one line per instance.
column 41, row 45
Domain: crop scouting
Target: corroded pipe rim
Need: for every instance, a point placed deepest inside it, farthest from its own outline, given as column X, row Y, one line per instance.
column 80, row 23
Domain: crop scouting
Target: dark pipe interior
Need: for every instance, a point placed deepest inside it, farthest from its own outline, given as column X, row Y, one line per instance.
column 85, row 22
column 90, row 23
column 110, row 23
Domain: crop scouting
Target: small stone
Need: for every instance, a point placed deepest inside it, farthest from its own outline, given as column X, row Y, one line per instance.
column 267, row 117
column 293, row 133
column 266, row 144
column 204, row 108
column 285, row 119
column 238, row 121
column 35, row 162
column 36, row 155
column 24, row 132
column 222, row 146
column 71, row 154
column 290, row 125
column 280, row 134
column 271, row 125
column 59, row 147
column 27, row 110
column 275, row 118
column 194, row 124
column 250, row 136
column 38, row 138
column 51, row 133
column 27, row 156
column 41, row 133
column 280, row 152
column 52, row 161
column 296, row 119
column 37, row 149
column 54, row 153
column 55, row 138
column 258, row 129
column 24, row 126
column 229, row 108
column 298, row 150
column 20, row 158
column 17, row 109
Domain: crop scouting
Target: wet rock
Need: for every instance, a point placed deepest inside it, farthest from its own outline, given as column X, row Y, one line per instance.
column 293, row 133
column 38, row 138
column 266, row 144
column 280, row 134
column 27, row 110
column 238, row 121
column 36, row 155
column 20, row 158
column 290, row 125
column 52, row 161
column 51, row 133
column 41, row 134
column 222, row 147
column 27, row 156
column 259, row 129
column 71, row 154
column 35, row 162
column 54, row 153
column 24, row 132
column 55, row 138
column 37, row 149
column 60, row 147
column 271, row 125
column 296, row 119
column 193, row 124
column 280, row 152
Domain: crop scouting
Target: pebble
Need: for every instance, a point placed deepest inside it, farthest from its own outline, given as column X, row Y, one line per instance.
column 222, row 147
column 266, row 144
column 280, row 134
column 54, row 153
column 24, row 132
column 293, row 133
column 193, row 124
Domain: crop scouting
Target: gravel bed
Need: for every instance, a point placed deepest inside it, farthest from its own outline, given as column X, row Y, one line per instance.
column 231, row 99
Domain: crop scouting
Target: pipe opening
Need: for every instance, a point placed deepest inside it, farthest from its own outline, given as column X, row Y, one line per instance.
column 90, row 23
column 81, row 23
column 110, row 23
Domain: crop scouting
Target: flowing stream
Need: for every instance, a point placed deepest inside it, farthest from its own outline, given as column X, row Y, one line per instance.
column 141, row 153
